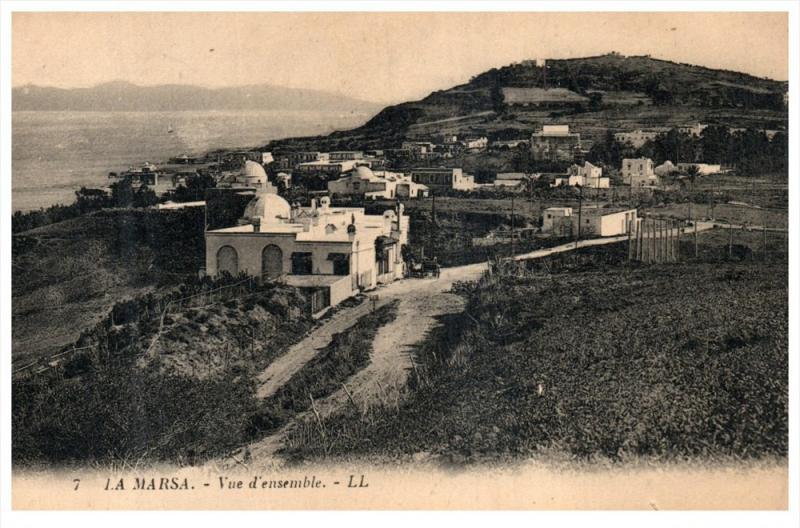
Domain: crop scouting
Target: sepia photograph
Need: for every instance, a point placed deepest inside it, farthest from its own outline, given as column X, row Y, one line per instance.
column 392, row 260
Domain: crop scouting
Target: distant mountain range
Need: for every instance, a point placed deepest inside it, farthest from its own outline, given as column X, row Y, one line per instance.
column 592, row 93
column 125, row 96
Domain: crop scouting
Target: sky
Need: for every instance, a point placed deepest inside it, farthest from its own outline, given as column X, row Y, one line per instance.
column 380, row 57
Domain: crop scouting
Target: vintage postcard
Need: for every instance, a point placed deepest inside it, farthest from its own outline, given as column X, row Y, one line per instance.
column 399, row 261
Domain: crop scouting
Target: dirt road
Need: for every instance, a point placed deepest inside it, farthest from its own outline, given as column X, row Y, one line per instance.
column 421, row 302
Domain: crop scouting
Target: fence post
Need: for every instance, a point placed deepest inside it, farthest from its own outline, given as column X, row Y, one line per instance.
column 644, row 241
column 639, row 227
column 630, row 248
column 695, row 239
column 656, row 249
column 660, row 240
column 676, row 247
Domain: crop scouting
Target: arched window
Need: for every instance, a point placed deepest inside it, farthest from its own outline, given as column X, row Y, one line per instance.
column 271, row 261
column 227, row 260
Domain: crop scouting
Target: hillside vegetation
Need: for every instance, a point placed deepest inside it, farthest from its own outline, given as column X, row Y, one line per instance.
column 189, row 398
column 589, row 93
column 584, row 357
column 67, row 275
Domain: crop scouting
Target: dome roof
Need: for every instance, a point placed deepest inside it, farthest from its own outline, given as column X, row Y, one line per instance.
column 270, row 207
column 364, row 172
column 254, row 172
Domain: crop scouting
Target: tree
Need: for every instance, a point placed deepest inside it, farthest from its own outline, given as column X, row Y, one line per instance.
column 691, row 174
column 122, row 193
column 144, row 197
column 608, row 151
column 87, row 200
column 714, row 142
column 595, row 101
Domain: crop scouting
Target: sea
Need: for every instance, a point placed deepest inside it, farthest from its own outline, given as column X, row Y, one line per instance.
column 56, row 153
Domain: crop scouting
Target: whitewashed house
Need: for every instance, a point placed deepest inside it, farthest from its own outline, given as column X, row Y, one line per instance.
column 638, row 172
column 332, row 251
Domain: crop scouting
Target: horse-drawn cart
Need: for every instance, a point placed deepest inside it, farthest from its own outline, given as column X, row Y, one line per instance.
column 424, row 268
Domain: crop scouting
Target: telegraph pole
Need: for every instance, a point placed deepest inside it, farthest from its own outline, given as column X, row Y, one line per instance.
column 434, row 226
column 513, row 252
column 580, row 210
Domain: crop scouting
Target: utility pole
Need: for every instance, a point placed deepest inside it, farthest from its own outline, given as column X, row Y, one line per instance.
column 513, row 252
column 434, row 226
column 580, row 210
column 764, row 225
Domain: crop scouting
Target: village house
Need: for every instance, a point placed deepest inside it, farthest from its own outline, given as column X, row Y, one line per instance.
column 418, row 147
column 342, row 155
column 315, row 174
column 703, row 169
column 594, row 221
column 665, row 169
column 508, row 144
column 146, row 174
column 331, row 252
column 252, row 176
column 692, row 130
column 443, row 178
column 638, row 172
column 586, row 175
column 366, row 183
column 419, row 151
column 476, row 143
column 557, row 220
column 555, row 143
column 637, row 138
column 568, row 180
column 290, row 160
column 602, row 221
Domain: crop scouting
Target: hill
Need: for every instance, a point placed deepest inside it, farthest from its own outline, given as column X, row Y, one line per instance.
column 594, row 93
column 124, row 96
column 67, row 275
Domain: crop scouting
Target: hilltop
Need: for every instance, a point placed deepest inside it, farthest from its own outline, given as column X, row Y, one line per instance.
column 596, row 93
column 125, row 96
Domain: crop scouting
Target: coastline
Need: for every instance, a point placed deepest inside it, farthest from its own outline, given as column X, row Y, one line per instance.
column 55, row 153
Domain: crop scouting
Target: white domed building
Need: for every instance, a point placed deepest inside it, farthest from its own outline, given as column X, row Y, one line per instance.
column 252, row 176
column 334, row 252
column 365, row 182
